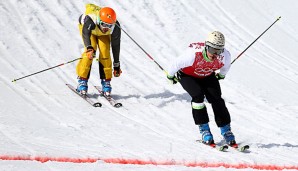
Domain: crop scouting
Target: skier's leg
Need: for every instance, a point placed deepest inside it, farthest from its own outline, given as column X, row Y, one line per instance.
column 83, row 67
column 221, row 113
column 105, row 62
column 193, row 88
column 213, row 94
column 199, row 111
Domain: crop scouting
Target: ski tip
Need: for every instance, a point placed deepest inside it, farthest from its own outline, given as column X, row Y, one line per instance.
column 117, row 105
column 223, row 148
column 243, row 148
column 246, row 147
column 97, row 104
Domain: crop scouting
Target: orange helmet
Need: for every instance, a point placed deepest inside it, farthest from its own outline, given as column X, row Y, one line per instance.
column 107, row 15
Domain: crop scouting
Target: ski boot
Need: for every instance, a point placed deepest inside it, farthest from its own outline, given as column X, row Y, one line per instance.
column 228, row 135
column 83, row 86
column 207, row 137
column 106, row 87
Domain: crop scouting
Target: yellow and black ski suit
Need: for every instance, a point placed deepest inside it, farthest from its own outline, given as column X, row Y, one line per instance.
column 94, row 38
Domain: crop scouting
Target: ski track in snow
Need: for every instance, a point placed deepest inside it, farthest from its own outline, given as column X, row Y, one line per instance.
column 39, row 116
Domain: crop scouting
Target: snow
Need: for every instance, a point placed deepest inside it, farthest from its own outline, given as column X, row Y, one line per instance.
column 41, row 118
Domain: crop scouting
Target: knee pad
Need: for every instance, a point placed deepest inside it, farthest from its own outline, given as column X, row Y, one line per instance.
column 197, row 106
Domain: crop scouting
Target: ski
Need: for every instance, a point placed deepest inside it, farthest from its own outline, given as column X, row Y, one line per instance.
column 85, row 97
column 240, row 148
column 215, row 146
column 110, row 99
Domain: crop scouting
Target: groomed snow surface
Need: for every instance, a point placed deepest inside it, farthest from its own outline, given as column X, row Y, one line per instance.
column 46, row 127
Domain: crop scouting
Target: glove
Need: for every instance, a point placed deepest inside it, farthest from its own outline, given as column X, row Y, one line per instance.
column 219, row 76
column 90, row 53
column 117, row 71
column 172, row 79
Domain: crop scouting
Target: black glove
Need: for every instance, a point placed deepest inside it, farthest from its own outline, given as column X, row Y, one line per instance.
column 172, row 79
column 219, row 76
column 117, row 71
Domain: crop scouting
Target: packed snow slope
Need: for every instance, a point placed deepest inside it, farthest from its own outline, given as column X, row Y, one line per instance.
column 40, row 116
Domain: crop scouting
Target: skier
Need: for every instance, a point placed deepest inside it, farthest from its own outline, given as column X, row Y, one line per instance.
column 98, row 31
column 195, row 70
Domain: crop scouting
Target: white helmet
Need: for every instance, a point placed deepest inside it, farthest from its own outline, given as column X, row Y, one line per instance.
column 216, row 40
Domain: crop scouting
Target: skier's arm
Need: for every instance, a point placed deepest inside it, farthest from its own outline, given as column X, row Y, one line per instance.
column 184, row 60
column 227, row 63
column 88, row 26
column 115, row 42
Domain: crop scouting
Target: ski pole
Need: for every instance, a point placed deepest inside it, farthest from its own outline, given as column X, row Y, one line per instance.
column 256, row 39
column 148, row 55
column 45, row 69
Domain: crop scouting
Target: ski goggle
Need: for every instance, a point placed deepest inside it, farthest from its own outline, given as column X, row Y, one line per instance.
column 214, row 50
column 105, row 25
